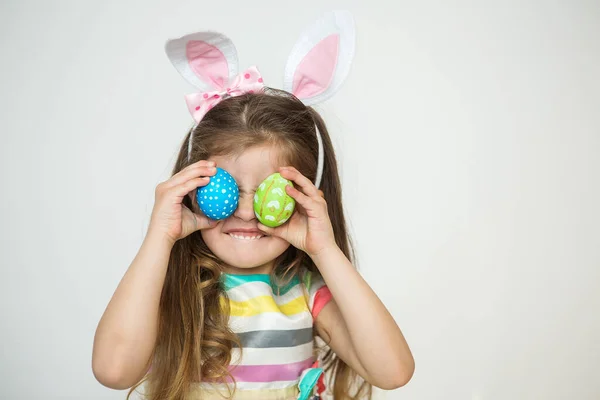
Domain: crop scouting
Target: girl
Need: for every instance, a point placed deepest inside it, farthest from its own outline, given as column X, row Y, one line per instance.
column 231, row 307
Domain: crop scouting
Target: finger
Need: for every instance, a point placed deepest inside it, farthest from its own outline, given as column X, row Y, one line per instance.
column 195, row 170
column 300, row 209
column 183, row 189
column 303, row 182
column 306, row 202
column 280, row 231
column 184, row 176
column 201, row 163
column 196, row 165
column 198, row 222
column 191, row 172
column 203, row 222
column 266, row 229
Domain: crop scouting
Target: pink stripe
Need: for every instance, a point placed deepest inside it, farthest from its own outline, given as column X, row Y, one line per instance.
column 270, row 373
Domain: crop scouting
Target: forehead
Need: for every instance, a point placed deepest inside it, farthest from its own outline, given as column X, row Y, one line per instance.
column 253, row 165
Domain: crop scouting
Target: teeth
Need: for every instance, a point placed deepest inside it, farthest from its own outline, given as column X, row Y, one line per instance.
column 239, row 237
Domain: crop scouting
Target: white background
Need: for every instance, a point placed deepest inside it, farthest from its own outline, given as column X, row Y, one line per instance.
column 468, row 135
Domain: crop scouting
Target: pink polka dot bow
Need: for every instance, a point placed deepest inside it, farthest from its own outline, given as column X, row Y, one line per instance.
column 249, row 81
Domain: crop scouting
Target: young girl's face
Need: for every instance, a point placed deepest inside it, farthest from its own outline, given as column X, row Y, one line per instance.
column 237, row 240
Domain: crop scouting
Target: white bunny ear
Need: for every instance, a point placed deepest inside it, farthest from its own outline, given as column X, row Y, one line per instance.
column 320, row 61
column 207, row 60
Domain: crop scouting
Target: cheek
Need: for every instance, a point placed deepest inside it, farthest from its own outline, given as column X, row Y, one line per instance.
column 279, row 243
column 276, row 247
column 210, row 237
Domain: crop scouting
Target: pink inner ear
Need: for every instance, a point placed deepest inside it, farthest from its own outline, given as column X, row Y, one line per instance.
column 315, row 72
column 208, row 63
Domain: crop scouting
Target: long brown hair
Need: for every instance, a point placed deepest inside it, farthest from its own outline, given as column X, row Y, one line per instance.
column 194, row 341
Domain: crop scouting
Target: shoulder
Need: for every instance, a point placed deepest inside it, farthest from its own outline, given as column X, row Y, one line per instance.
column 311, row 280
column 318, row 295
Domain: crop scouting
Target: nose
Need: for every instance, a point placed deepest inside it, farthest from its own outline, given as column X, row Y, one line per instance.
column 245, row 208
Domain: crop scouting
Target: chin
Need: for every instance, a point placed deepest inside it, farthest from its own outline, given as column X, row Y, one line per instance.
column 244, row 251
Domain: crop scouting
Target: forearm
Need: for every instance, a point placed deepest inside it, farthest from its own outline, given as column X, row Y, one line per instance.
column 377, row 340
column 126, row 333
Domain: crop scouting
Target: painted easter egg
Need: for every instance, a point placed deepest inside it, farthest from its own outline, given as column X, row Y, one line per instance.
column 272, row 205
column 218, row 199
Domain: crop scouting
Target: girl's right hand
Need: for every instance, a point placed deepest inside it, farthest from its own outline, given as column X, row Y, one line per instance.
column 169, row 215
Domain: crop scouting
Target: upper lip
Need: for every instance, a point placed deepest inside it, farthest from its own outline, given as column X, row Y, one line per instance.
column 244, row 230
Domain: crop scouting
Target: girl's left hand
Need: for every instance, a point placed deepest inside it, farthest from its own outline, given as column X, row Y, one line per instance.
column 309, row 228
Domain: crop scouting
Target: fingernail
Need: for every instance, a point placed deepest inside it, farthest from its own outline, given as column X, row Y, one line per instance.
column 211, row 163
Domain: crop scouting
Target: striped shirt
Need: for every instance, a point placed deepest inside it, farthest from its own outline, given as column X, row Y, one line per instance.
column 275, row 328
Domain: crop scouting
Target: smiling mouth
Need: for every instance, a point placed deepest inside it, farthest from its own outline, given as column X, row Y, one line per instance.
column 245, row 236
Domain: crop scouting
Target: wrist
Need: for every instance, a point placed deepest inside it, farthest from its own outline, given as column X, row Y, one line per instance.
column 158, row 238
column 326, row 253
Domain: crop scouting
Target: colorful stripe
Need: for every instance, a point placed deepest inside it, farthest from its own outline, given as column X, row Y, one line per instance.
column 212, row 392
column 271, row 355
column 248, row 291
column 231, row 281
column 276, row 338
column 322, row 297
column 270, row 373
column 251, row 386
column 266, row 304
column 271, row 320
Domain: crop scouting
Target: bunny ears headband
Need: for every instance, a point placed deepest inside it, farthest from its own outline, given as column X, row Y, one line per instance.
column 316, row 68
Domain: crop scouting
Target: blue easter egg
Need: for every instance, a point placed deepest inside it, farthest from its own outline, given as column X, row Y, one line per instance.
column 219, row 199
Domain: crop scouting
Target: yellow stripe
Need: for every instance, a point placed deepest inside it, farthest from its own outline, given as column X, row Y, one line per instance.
column 266, row 304
column 216, row 393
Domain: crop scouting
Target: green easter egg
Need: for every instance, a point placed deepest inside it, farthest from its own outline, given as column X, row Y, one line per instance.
column 272, row 205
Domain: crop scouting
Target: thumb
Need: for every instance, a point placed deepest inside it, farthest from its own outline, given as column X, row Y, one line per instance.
column 272, row 231
column 203, row 222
